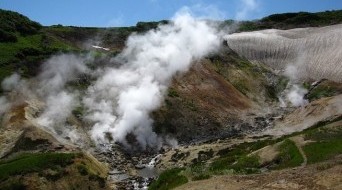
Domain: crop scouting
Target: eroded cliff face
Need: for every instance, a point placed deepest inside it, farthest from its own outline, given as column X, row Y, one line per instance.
column 308, row 53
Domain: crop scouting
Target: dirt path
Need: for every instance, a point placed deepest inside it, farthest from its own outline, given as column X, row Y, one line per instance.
column 299, row 141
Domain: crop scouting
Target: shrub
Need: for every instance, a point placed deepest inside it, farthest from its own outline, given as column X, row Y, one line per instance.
column 201, row 177
column 14, row 22
column 169, row 179
column 7, row 36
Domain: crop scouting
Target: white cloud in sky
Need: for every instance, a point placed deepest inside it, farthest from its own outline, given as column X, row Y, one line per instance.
column 246, row 8
column 204, row 11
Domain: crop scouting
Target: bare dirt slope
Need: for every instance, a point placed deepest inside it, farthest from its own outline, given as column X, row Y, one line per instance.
column 304, row 117
column 318, row 176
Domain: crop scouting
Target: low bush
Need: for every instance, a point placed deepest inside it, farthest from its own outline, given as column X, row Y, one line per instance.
column 169, row 179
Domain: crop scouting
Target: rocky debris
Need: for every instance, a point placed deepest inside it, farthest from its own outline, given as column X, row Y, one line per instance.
column 8, row 139
column 324, row 109
column 21, row 133
column 179, row 156
column 205, row 155
column 128, row 170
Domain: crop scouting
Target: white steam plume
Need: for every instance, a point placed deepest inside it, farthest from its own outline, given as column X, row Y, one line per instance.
column 59, row 102
column 296, row 96
column 121, row 100
column 59, row 70
column 58, row 109
column 123, row 96
column 50, row 88
column 20, row 89
column 4, row 105
column 11, row 82
column 295, row 92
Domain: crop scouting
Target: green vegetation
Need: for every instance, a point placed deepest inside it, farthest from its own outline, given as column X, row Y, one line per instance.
column 13, row 184
column 197, row 171
column 289, row 156
column 82, row 169
column 78, row 111
column 293, row 20
column 235, row 161
column 27, row 163
column 320, row 151
column 191, row 105
column 25, row 44
column 12, row 23
column 246, row 165
column 145, row 26
column 321, row 91
column 169, row 179
column 172, row 93
column 239, row 160
column 281, row 84
column 227, row 158
column 328, row 143
column 27, row 52
column 221, row 164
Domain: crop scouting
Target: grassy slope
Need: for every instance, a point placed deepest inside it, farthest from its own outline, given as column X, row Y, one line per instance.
column 33, row 163
column 63, row 170
column 168, row 180
column 29, row 43
column 327, row 144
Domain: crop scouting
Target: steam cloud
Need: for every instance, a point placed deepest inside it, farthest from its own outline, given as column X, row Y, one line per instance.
column 59, row 102
column 120, row 100
column 50, row 88
column 247, row 6
column 294, row 93
column 4, row 105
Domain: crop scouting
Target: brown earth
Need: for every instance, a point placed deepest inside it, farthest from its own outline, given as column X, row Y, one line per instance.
column 326, row 175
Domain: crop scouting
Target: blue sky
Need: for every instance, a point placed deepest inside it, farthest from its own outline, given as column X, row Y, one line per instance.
column 128, row 12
